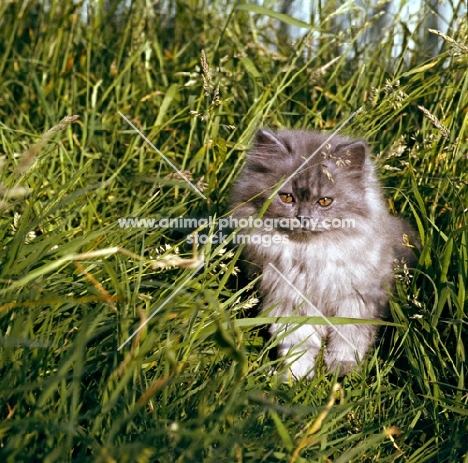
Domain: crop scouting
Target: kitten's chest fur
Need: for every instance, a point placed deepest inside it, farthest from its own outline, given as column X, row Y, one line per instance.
column 329, row 272
column 324, row 271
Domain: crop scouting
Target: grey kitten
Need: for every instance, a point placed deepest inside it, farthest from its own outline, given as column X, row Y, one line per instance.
column 332, row 248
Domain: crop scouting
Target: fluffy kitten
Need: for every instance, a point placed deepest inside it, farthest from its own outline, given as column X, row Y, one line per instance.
column 325, row 265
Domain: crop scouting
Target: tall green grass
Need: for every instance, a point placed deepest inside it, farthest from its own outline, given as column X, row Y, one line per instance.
column 195, row 383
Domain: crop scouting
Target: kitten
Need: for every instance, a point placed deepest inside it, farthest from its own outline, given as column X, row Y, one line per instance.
column 331, row 251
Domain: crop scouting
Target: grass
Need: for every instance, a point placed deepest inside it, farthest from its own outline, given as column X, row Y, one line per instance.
column 195, row 383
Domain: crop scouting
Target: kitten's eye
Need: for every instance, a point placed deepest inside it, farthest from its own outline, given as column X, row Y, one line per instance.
column 286, row 197
column 324, row 202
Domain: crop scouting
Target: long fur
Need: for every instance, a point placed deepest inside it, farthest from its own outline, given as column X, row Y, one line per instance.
column 344, row 272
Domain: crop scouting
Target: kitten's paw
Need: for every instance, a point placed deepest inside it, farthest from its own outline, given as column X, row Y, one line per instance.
column 342, row 364
column 301, row 368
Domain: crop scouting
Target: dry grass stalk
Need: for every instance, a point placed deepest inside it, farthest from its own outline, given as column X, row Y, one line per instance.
column 28, row 158
column 445, row 132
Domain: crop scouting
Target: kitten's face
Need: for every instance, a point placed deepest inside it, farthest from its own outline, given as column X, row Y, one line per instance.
column 331, row 185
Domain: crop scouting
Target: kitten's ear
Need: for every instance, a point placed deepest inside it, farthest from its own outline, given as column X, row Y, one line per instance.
column 355, row 152
column 266, row 141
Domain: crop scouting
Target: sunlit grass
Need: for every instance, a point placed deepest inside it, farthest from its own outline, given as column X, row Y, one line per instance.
column 196, row 382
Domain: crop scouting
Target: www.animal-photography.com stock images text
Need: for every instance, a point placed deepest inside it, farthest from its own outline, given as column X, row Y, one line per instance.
column 233, row 231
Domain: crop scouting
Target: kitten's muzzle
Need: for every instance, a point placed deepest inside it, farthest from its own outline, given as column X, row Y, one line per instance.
column 308, row 224
column 303, row 222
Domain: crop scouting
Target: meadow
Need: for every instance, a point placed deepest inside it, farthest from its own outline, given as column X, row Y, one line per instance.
column 123, row 344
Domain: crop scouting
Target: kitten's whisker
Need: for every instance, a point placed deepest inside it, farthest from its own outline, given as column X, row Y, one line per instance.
column 315, row 152
column 313, row 306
